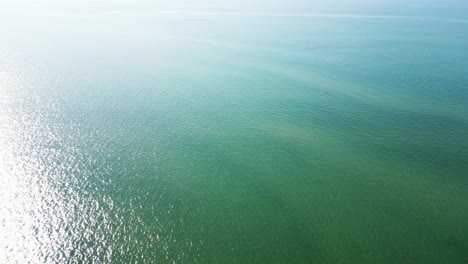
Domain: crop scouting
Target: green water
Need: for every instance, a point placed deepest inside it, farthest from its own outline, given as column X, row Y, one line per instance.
column 202, row 138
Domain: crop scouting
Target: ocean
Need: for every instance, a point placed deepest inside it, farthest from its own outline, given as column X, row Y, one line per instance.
column 233, row 137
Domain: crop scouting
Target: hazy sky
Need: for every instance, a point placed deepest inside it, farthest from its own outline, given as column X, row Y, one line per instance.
column 330, row 6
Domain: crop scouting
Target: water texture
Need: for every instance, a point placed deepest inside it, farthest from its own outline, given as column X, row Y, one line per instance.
column 185, row 137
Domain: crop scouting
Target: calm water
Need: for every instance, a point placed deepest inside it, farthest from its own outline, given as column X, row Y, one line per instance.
column 233, row 138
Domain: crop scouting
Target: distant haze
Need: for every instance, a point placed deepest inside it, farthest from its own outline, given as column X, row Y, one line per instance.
column 387, row 7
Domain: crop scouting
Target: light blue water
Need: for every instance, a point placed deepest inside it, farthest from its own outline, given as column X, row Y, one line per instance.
column 233, row 138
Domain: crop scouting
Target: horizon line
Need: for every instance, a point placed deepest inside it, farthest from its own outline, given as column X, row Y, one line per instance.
column 215, row 13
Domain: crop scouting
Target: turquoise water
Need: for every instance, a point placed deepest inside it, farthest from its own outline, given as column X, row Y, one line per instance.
column 233, row 138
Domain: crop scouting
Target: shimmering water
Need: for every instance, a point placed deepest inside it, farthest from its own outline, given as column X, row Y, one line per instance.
column 233, row 138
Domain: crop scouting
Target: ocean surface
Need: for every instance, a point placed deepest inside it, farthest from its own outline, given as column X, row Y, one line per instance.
column 198, row 137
